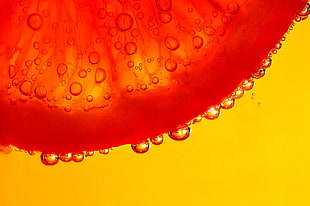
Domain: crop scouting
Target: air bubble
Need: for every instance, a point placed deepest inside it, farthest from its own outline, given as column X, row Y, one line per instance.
column 131, row 48
column 172, row 43
column 76, row 88
column 82, row 73
column 67, row 157
column 25, row 88
column 100, row 75
column 35, row 21
column 62, row 69
column 158, row 140
column 180, row 134
column 70, row 41
column 228, row 103
column 78, row 156
column 267, row 63
column 238, row 93
column 165, row 18
column 94, row 57
column 124, row 22
column 36, row 45
column 6, row 149
column 197, row 42
column 129, row 88
column 226, row 19
column 141, row 147
column 89, row 98
column 40, row 92
column 118, row 45
column 67, row 108
column 233, row 8
column 155, row 80
column 130, row 64
column 101, row 13
column 210, row 31
column 247, row 84
column 163, row 5
column 212, row 113
column 12, row 71
column 104, row 151
column 171, row 65
column 49, row 159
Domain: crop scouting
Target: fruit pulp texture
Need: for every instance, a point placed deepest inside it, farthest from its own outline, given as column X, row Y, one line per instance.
column 89, row 75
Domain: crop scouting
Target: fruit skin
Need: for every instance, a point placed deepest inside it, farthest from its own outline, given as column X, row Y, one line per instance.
column 254, row 31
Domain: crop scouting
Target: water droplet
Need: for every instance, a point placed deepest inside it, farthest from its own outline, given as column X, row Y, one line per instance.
column 40, row 92
column 25, row 88
column 171, row 65
column 89, row 98
column 65, row 157
column 49, row 158
column 141, row 147
column 104, row 151
column 163, row 5
column 36, row 45
column 165, row 18
column 130, row 48
column 94, row 57
column 68, row 97
column 247, row 84
column 82, row 73
column 197, row 42
column 233, row 8
column 212, row 113
column 180, row 134
column 228, row 103
column 76, row 88
column 62, row 69
column 157, row 140
column 78, row 156
column 172, row 43
column 100, row 75
column 35, row 21
column 124, row 22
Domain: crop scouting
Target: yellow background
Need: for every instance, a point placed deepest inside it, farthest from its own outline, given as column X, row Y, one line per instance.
column 256, row 154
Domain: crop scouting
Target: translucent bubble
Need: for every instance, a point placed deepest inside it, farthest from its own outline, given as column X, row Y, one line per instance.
column 49, row 158
column 228, row 103
column 68, row 97
column 70, row 41
column 40, row 92
column 65, row 157
column 130, row 48
column 141, row 147
column 34, row 21
column 78, row 156
column 124, row 22
column 248, row 84
column 94, row 57
column 197, row 42
column 172, row 43
column 226, row 19
column 157, row 140
column 118, row 45
column 210, row 31
column 260, row 73
column 165, row 18
column 101, row 13
column 25, row 88
column 196, row 119
column 89, row 153
column 238, row 93
column 89, row 98
column 76, row 88
column 104, row 151
column 62, row 69
column 136, row 6
column 12, row 71
column 163, row 5
column 100, row 75
column 36, row 45
column 6, row 149
column 267, row 63
column 129, row 88
column 82, row 73
column 212, row 113
column 143, row 86
column 180, row 134
column 171, row 65
column 155, row 80
column 233, row 8
column 140, row 15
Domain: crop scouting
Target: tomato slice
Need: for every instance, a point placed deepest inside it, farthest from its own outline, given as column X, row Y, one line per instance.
column 88, row 75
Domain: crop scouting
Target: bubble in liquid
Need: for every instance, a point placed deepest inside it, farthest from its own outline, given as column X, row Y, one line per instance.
column 238, row 93
column 260, row 73
column 233, row 8
column 118, row 45
column 67, row 108
column 100, row 75
column 62, row 69
column 76, row 88
column 89, row 98
column 172, row 43
column 104, row 151
column 212, row 113
column 89, row 153
column 141, row 147
column 82, row 73
column 267, row 63
column 101, row 13
column 129, row 88
column 180, row 134
column 25, row 88
column 94, row 57
column 78, row 156
column 6, row 149
column 155, row 80
column 65, row 157
column 157, row 140
column 40, row 92
column 35, row 21
column 130, row 64
column 130, row 48
column 36, row 45
column 197, row 42
column 70, row 41
column 163, row 5
column 124, row 22
column 226, row 19
column 49, row 159
column 247, row 84
column 171, row 65
column 228, row 103
column 165, row 18
column 12, row 71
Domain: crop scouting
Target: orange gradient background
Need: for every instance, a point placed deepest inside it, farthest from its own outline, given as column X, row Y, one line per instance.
column 256, row 154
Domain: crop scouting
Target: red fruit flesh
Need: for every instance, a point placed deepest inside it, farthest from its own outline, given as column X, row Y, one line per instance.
column 71, row 85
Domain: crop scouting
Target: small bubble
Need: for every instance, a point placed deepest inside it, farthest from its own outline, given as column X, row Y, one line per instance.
column 171, row 65
column 35, row 21
column 141, row 147
column 212, row 113
column 172, row 43
column 25, row 88
column 210, row 31
column 165, row 18
column 40, row 92
column 112, row 31
column 228, row 103
column 180, row 134
column 6, row 149
column 101, row 13
column 68, row 97
column 157, row 140
column 124, row 22
column 197, row 42
column 267, row 63
column 100, row 75
column 89, row 98
column 78, row 156
column 238, row 93
column 196, row 119
column 155, row 80
column 94, row 57
column 62, row 69
column 163, row 5
column 129, row 88
column 70, row 41
column 140, row 15
column 226, row 19
column 130, row 64
column 260, row 73
column 118, row 45
column 67, row 108
column 104, row 151
column 12, row 71
column 135, row 32
column 76, row 88
column 130, row 48
column 49, row 159
column 36, row 45
column 247, row 84
column 233, row 8
column 82, row 73
column 65, row 157
column 143, row 86
column 136, row 6
column 89, row 153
